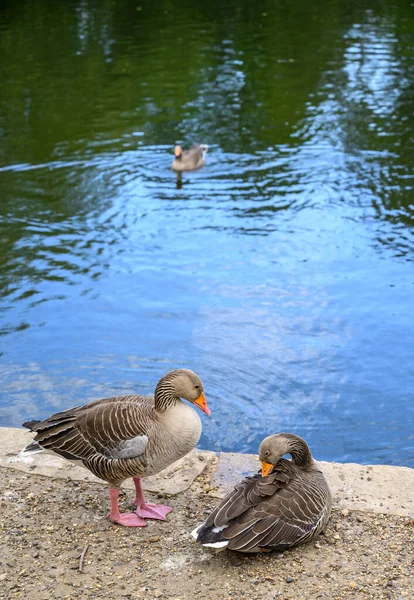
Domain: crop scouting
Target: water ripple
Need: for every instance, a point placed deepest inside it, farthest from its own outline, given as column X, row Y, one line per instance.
column 281, row 271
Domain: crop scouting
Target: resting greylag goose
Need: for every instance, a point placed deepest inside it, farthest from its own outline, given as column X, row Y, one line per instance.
column 128, row 436
column 288, row 503
column 189, row 160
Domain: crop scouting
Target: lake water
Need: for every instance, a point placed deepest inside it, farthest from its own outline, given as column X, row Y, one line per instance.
column 282, row 272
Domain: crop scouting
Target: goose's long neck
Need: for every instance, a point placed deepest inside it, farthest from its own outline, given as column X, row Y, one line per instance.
column 165, row 396
column 299, row 451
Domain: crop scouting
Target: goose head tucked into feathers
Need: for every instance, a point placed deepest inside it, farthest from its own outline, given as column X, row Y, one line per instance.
column 275, row 446
column 181, row 383
column 272, row 511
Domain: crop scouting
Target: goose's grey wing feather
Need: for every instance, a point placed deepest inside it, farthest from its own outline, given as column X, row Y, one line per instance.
column 130, row 448
column 289, row 517
column 192, row 156
column 277, row 511
column 247, row 494
column 116, row 427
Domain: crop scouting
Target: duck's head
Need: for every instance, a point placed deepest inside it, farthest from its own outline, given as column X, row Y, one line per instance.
column 184, row 383
column 275, row 446
column 271, row 451
column 178, row 151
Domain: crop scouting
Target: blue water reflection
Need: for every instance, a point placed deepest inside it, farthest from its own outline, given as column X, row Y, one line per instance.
column 281, row 272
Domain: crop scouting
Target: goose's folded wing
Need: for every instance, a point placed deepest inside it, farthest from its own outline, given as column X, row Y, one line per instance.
column 288, row 517
column 251, row 492
column 115, row 428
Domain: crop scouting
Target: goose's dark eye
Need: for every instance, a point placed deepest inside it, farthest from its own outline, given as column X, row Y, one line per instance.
column 267, row 453
column 196, row 387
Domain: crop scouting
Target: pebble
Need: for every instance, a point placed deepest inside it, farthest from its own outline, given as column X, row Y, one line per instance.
column 289, row 579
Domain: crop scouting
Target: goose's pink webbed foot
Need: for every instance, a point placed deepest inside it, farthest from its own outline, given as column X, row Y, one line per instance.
column 148, row 511
column 125, row 519
column 153, row 511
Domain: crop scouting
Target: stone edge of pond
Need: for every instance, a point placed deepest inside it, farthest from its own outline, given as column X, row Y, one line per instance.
column 378, row 488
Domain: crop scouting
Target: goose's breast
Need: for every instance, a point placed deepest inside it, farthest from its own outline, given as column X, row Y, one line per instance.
column 178, row 432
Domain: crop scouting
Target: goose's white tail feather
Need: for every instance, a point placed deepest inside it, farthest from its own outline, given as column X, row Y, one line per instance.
column 25, row 452
column 218, row 545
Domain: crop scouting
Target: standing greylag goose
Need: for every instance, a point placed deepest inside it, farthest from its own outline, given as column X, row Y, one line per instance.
column 128, row 436
column 288, row 503
column 189, row 160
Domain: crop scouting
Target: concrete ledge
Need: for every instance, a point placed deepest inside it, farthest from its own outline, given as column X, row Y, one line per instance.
column 378, row 488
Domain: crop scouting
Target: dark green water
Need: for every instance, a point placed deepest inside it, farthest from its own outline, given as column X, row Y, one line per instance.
column 282, row 272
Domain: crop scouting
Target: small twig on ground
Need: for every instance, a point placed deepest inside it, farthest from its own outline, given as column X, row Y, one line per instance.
column 82, row 558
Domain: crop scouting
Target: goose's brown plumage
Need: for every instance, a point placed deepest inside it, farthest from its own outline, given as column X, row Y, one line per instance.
column 189, row 160
column 287, row 507
column 128, row 436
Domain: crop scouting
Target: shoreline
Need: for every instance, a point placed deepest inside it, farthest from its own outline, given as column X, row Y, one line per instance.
column 58, row 544
column 380, row 488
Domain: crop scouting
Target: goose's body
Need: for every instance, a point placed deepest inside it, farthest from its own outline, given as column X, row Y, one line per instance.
column 189, row 160
column 128, row 436
column 287, row 504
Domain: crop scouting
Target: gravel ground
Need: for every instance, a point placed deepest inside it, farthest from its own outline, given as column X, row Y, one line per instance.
column 47, row 524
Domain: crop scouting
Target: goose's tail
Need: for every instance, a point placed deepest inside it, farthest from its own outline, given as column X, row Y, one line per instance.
column 33, row 447
column 210, row 537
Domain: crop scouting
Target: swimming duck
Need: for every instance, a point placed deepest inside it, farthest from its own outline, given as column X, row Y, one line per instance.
column 189, row 160
column 128, row 436
column 288, row 503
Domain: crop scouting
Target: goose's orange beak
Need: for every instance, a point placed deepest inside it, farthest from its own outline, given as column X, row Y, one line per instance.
column 201, row 402
column 267, row 468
